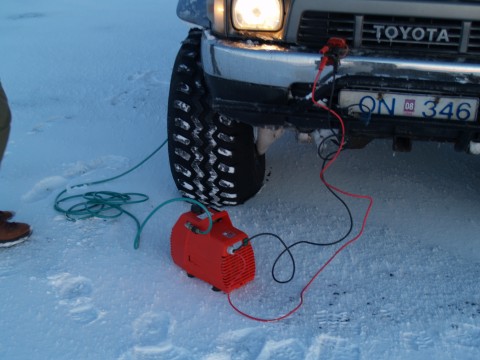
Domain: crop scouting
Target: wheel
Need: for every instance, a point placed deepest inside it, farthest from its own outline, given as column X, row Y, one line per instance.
column 213, row 159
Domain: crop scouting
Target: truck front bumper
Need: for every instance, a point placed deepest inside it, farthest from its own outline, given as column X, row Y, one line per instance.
column 259, row 84
column 281, row 66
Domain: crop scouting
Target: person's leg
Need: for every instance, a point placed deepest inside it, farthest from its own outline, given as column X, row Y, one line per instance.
column 10, row 232
column 5, row 119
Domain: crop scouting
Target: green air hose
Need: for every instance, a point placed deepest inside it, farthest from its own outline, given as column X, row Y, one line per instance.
column 109, row 204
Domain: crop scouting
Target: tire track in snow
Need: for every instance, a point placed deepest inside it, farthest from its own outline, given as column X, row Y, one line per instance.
column 74, row 294
column 153, row 339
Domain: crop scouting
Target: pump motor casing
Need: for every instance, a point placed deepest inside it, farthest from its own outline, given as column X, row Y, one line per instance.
column 222, row 258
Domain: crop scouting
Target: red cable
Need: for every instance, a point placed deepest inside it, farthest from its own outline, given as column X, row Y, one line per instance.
column 334, row 188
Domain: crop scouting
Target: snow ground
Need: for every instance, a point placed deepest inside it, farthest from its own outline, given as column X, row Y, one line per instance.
column 88, row 84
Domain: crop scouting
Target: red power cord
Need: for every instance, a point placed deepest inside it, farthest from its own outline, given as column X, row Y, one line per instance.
column 324, row 61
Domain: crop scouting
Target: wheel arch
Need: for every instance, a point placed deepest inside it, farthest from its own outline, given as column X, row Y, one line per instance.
column 194, row 12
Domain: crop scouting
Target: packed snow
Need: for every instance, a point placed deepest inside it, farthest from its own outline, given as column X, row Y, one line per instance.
column 88, row 87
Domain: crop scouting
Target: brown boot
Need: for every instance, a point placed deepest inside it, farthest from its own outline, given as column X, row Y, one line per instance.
column 6, row 215
column 12, row 233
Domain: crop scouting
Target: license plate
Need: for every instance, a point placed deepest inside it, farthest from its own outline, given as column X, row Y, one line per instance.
column 420, row 106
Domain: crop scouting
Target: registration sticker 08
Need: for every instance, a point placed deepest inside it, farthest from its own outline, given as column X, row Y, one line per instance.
column 414, row 105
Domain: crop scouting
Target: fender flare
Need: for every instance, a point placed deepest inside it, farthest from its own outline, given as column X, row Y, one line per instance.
column 194, row 12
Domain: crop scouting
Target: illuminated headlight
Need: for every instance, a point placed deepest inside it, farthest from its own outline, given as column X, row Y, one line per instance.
column 260, row 15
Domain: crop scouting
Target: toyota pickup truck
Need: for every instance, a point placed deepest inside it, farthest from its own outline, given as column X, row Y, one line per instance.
column 408, row 70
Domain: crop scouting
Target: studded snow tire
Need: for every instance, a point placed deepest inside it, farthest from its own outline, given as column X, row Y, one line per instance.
column 213, row 159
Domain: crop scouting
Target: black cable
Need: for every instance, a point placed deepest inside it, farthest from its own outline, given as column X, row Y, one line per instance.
column 288, row 248
column 330, row 101
column 325, row 159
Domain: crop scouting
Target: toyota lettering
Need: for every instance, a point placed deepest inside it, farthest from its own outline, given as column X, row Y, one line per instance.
column 410, row 33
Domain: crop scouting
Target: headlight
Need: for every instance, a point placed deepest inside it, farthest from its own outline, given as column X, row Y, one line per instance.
column 260, row 15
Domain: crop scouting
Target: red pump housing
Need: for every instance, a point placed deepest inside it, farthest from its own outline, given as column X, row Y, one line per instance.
column 223, row 257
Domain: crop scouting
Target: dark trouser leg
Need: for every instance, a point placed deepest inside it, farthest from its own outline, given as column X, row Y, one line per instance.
column 5, row 118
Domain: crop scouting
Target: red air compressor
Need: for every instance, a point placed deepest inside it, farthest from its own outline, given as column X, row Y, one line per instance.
column 223, row 257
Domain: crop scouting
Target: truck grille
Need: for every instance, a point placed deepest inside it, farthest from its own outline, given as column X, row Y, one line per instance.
column 386, row 33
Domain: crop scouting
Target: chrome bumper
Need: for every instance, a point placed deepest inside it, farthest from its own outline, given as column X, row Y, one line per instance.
column 278, row 66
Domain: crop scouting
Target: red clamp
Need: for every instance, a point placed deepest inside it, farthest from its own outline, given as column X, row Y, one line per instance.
column 333, row 51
